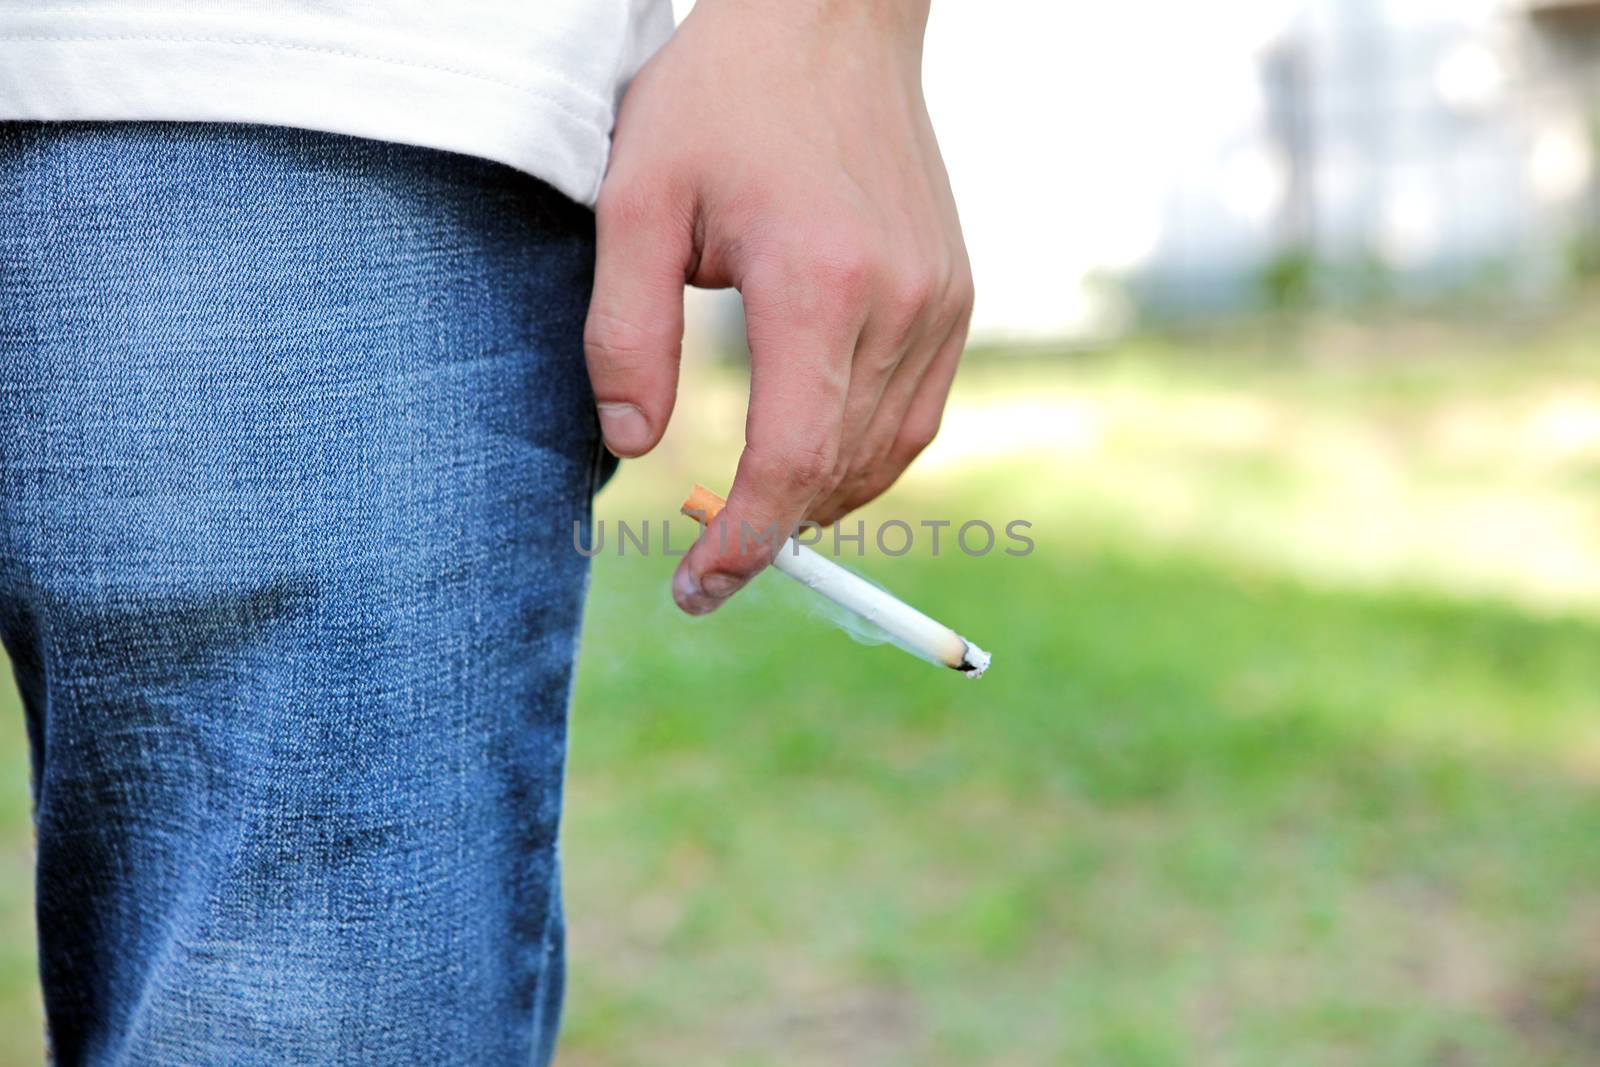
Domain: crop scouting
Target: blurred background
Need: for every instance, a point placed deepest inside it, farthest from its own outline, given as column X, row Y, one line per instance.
column 1288, row 345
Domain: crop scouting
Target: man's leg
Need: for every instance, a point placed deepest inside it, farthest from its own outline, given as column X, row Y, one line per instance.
column 293, row 432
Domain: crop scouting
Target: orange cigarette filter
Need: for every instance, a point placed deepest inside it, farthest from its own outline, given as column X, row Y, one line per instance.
column 906, row 626
column 703, row 505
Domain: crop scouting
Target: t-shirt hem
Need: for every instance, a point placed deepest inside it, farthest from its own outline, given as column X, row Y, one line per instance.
column 538, row 125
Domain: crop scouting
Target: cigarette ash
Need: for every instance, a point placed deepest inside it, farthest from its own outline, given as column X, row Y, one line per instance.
column 974, row 661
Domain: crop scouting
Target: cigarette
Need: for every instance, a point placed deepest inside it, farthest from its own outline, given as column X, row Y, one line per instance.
column 910, row 628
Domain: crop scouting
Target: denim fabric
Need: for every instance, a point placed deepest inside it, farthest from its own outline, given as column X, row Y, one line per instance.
column 293, row 432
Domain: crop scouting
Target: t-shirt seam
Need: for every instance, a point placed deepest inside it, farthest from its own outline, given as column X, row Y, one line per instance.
column 528, row 90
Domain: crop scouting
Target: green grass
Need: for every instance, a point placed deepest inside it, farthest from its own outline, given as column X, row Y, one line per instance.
column 1290, row 753
column 20, row 1027
column 1192, row 816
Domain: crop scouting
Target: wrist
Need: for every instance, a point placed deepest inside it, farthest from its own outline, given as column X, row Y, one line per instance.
column 895, row 23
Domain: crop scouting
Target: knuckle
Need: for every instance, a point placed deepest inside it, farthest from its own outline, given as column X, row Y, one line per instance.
column 617, row 208
column 840, row 471
column 882, row 361
column 917, row 434
column 743, row 565
column 625, row 345
column 962, row 293
column 798, row 471
column 810, row 468
column 851, row 487
column 875, row 453
column 624, row 204
column 911, row 294
column 878, row 459
column 846, row 267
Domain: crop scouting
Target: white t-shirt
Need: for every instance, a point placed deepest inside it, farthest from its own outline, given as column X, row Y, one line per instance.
column 530, row 83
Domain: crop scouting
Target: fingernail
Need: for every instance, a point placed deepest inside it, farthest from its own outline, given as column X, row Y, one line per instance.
column 625, row 430
column 705, row 595
column 687, row 592
column 721, row 586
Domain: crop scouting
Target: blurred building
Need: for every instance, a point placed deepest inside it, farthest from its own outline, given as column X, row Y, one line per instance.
column 1392, row 156
column 1177, row 163
column 1156, row 159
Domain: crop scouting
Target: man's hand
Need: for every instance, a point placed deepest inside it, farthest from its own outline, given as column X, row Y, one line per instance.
column 782, row 147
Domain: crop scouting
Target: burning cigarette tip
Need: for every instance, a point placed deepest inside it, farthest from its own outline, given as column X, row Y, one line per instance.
column 974, row 661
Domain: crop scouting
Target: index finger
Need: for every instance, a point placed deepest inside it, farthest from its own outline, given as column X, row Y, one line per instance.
column 800, row 355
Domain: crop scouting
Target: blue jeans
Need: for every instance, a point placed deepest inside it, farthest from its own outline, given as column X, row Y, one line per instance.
column 294, row 429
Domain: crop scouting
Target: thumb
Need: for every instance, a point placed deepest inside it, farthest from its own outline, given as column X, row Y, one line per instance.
column 634, row 335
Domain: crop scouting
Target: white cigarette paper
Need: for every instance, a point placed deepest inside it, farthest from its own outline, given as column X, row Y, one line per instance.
column 910, row 628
